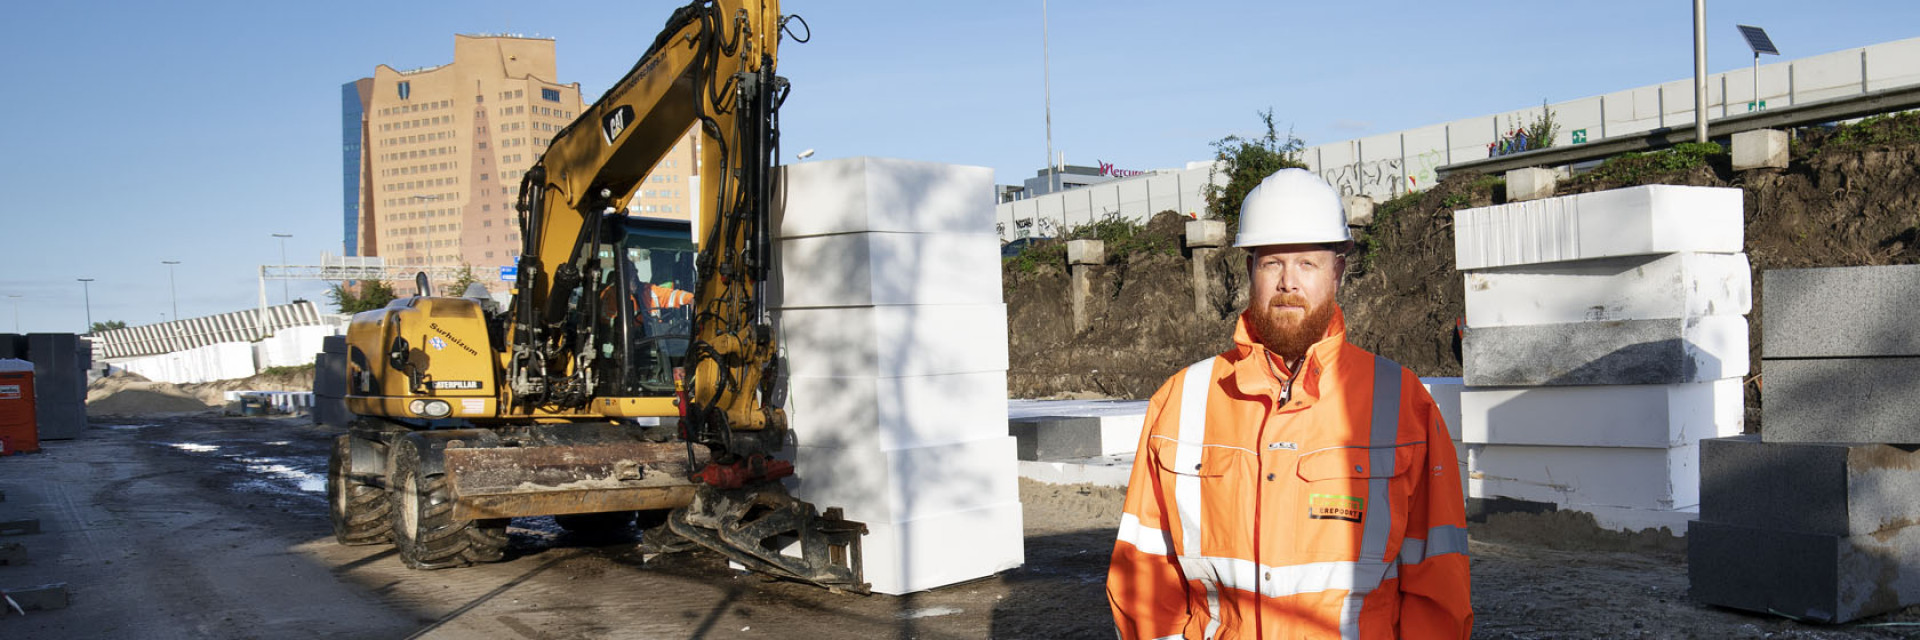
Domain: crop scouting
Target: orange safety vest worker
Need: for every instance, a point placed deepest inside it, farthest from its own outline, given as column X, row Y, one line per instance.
column 1265, row 504
column 669, row 297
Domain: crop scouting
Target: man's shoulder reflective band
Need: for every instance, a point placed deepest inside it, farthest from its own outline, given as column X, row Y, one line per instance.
column 1147, row 540
column 1440, row 541
column 1357, row 578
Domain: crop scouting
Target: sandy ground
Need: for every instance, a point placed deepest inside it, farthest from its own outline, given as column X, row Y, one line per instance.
column 200, row 526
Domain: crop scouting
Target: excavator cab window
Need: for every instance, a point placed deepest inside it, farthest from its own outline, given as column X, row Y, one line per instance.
column 656, row 274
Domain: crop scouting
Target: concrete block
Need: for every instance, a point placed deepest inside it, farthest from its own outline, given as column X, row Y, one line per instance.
column 858, row 269
column 1446, row 394
column 1531, row 184
column 1086, row 252
column 883, row 194
column 895, row 341
column 330, row 374
column 333, row 344
column 1841, row 312
column 939, row 550
column 1655, row 416
column 1760, row 149
column 1814, row 577
column 13, row 346
column 1587, row 477
column 1620, row 222
column 1359, row 210
column 1210, row 233
column 12, row 554
column 1653, row 287
column 1664, row 351
column 1828, row 489
column 875, row 485
column 46, row 597
column 897, row 413
column 1847, row 400
column 1055, row 437
column 1121, row 421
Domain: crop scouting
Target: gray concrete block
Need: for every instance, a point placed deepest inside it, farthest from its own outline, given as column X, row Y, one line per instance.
column 44, row 597
column 1086, row 252
column 1828, row 489
column 1531, row 184
column 1848, row 400
column 1055, row 437
column 1760, row 149
column 330, row 374
column 1206, row 233
column 333, row 344
column 60, row 419
column 1841, row 312
column 13, row 346
column 1665, row 351
column 1821, row 578
column 1359, row 210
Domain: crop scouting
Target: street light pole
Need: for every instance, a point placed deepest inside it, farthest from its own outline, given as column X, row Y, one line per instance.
column 1700, row 71
column 285, row 298
column 86, row 289
column 173, row 291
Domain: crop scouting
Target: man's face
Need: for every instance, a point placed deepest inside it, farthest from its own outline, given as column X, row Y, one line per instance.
column 1293, row 290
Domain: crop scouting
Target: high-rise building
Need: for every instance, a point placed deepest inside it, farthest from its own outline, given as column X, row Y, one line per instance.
column 441, row 152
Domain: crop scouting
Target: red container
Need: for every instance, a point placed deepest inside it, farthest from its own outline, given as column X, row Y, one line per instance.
column 18, row 431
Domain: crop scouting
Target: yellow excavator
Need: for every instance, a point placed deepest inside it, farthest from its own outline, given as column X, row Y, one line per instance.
column 592, row 396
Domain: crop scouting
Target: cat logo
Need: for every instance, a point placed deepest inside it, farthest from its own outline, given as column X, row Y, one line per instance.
column 614, row 123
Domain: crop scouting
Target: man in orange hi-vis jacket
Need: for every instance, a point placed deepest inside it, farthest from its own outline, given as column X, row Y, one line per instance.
column 1295, row 486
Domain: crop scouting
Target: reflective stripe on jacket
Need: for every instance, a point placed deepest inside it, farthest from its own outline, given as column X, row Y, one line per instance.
column 1337, row 514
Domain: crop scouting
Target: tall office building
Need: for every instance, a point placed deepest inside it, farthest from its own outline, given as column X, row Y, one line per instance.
column 441, row 151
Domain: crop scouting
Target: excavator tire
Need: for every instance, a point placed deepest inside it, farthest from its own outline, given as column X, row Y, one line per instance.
column 361, row 513
column 425, row 532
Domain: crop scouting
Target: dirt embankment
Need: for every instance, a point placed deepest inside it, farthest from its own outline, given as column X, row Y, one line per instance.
column 1849, row 198
column 129, row 394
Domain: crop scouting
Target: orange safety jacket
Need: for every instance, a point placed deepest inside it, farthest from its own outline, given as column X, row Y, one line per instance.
column 1265, row 504
column 670, row 298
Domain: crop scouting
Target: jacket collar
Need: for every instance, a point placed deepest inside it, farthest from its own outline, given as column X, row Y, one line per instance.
column 1254, row 376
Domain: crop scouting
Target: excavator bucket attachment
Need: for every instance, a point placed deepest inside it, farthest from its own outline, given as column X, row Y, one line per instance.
column 758, row 527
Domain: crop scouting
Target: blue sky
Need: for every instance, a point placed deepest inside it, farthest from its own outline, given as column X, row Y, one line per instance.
column 135, row 133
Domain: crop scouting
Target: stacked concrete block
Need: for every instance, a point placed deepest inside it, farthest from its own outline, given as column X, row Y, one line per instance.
column 1815, row 517
column 1606, row 337
column 889, row 308
column 330, row 383
column 60, row 362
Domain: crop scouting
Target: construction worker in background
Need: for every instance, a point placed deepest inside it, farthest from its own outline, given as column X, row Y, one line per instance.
column 667, row 297
column 1294, row 486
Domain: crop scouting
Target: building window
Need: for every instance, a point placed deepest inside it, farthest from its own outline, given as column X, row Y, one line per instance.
column 550, row 95
column 406, row 89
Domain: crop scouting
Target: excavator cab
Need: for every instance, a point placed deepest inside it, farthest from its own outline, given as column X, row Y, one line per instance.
column 650, row 267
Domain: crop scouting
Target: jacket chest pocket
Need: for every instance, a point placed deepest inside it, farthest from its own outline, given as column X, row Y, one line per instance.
column 1208, row 487
column 1346, row 493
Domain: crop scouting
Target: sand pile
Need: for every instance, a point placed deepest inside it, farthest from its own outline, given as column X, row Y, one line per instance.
column 130, row 394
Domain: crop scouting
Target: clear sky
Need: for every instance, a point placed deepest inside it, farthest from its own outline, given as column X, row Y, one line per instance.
column 133, row 133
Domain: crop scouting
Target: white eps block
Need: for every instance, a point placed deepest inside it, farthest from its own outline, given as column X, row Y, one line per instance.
column 870, row 268
column 1655, row 416
column 1659, row 479
column 939, row 550
column 895, row 341
column 1617, row 222
column 1648, row 287
column 1120, row 434
column 883, row 194
column 876, row 485
column 1446, row 395
column 898, row 413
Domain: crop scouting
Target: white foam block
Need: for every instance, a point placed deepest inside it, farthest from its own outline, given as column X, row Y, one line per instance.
column 857, row 269
column 875, row 485
column 1446, row 395
column 1120, row 434
column 883, row 194
column 1619, row 222
column 1675, row 521
column 939, row 550
column 895, row 341
column 897, row 413
column 1674, row 285
column 1658, row 479
column 1106, row 471
column 1655, row 416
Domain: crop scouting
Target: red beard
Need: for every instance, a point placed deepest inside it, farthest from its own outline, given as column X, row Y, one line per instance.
column 1289, row 334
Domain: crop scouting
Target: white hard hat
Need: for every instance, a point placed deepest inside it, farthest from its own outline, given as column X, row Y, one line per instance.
column 1292, row 206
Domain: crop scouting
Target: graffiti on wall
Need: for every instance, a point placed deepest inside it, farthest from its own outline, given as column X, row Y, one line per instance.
column 1422, row 169
column 1365, row 178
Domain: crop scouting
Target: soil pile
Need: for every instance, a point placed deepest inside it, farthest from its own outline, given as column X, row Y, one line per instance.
column 128, row 394
column 1850, row 197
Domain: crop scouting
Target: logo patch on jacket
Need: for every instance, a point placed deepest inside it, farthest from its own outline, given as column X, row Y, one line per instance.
column 1327, row 506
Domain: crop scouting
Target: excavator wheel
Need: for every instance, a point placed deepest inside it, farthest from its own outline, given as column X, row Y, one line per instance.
column 424, row 530
column 361, row 512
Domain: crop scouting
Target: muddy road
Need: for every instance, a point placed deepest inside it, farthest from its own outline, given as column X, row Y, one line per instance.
column 198, row 526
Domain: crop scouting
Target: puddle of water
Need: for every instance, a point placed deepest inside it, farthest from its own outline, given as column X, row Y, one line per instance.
column 307, row 482
column 193, row 447
column 278, row 443
column 129, row 427
column 929, row 612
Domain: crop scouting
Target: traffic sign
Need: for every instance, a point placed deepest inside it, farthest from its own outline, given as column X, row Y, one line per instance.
column 509, row 274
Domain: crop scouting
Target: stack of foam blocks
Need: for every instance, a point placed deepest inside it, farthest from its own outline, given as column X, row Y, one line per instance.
column 1818, row 517
column 895, row 337
column 330, row 383
column 60, row 364
column 1604, row 338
